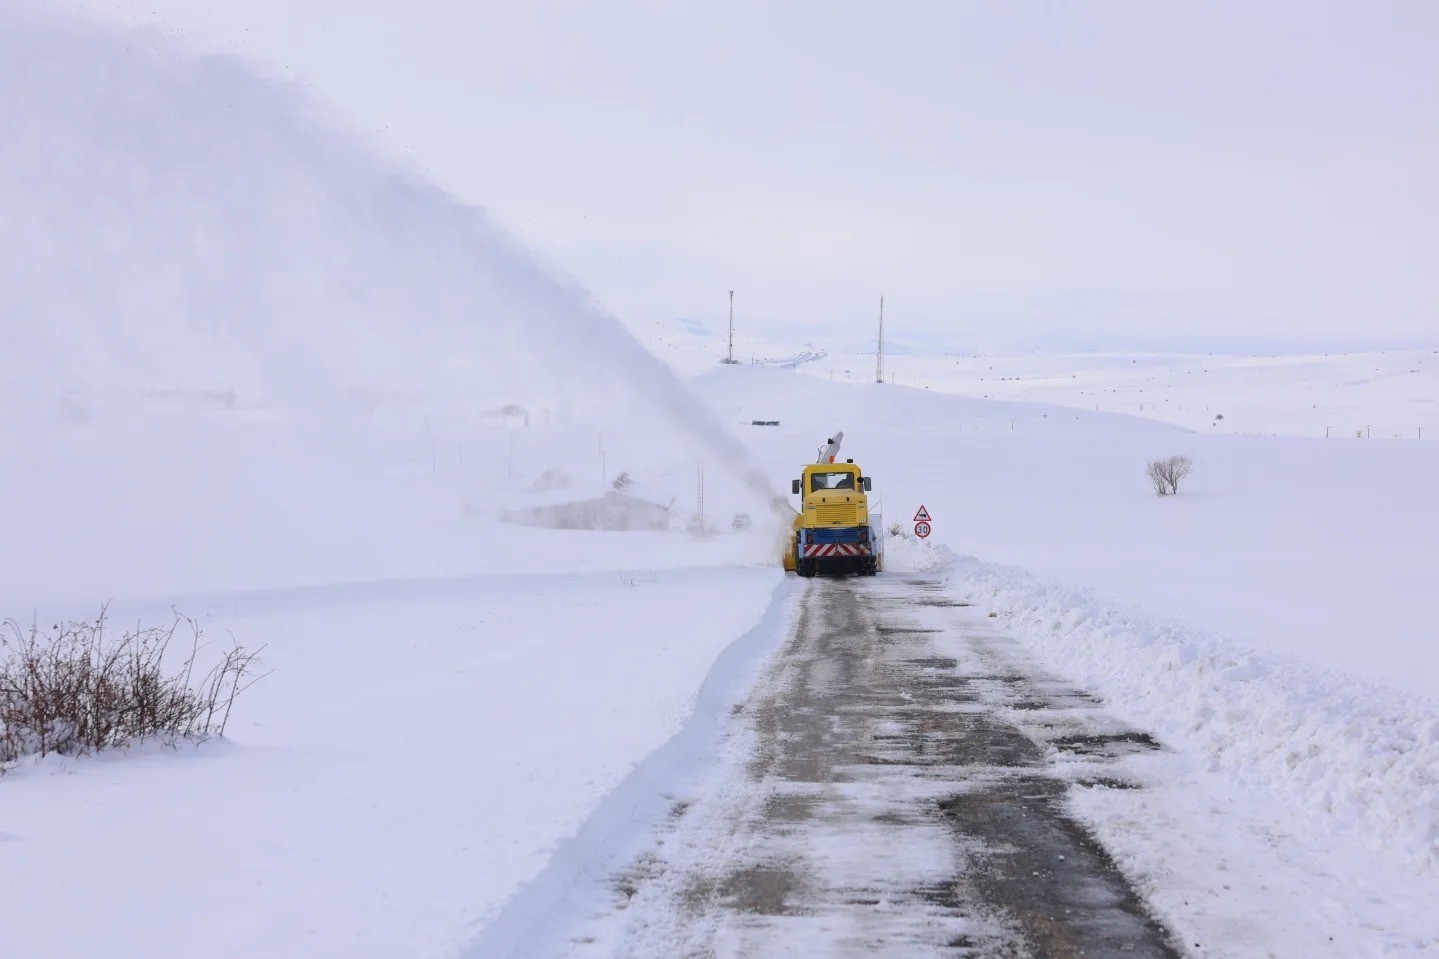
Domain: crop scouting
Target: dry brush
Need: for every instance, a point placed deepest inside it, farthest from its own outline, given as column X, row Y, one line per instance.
column 76, row 689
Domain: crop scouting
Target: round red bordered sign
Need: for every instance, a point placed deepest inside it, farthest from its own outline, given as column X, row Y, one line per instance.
column 922, row 530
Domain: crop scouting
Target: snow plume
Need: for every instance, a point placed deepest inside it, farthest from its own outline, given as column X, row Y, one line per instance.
column 182, row 226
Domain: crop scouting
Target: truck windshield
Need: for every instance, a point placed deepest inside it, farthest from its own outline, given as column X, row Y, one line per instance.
column 822, row 481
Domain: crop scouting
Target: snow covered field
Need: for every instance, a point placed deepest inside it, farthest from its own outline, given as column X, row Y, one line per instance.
column 1380, row 395
column 419, row 750
column 254, row 373
column 1291, row 546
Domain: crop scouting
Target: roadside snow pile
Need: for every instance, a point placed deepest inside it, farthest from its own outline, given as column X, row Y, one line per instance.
column 909, row 554
column 1357, row 757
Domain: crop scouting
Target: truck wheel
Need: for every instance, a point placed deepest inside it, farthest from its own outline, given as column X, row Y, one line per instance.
column 805, row 567
column 871, row 567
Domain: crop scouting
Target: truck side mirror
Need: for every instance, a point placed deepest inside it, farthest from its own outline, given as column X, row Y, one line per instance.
column 794, row 487
column 865, row 480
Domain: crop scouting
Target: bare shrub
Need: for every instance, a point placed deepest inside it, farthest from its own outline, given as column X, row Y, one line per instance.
column 75, row 690
column 898, row 529
column 1165, row 474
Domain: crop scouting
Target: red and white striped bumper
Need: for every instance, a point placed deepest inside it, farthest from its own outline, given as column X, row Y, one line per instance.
column 826, row 550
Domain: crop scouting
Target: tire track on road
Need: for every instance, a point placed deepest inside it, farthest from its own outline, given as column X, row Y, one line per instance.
column 901, row 792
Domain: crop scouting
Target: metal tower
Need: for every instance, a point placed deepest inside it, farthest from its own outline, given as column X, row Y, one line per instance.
column 879, row 348
column 699, row 521
column 730, row 358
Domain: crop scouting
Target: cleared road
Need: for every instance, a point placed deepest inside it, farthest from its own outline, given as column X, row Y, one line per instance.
column 898, row 790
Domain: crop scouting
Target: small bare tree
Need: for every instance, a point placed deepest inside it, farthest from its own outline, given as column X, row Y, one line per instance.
column 1165, row 474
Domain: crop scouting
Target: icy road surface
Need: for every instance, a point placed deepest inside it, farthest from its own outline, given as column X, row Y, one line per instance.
column 887, row 805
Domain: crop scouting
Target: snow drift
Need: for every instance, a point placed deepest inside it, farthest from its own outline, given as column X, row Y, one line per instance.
column 1354, row 757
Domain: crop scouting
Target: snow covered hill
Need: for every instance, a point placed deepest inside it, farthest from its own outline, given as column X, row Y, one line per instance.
column 1388, row 395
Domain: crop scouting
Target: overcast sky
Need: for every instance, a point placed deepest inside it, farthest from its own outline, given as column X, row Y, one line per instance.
column 1088, row 174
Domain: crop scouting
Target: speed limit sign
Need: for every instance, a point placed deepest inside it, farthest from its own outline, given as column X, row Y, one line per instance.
column 921, row 529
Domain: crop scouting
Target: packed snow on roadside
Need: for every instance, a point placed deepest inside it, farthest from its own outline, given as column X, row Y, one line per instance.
column 1289, row 811
column 1353, row 755
column 1354, row 758
column 1216, row 835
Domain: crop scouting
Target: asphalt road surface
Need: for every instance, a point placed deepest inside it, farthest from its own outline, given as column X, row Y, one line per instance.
column 896, row 787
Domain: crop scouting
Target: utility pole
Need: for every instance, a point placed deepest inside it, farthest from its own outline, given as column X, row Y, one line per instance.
column 879, row 348
column 731, row 326
column 729, row 358
column 699, row 524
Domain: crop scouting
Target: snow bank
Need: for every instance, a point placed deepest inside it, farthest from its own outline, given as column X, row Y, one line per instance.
column 577, row 880
column 910, row 554
column 1355, row 757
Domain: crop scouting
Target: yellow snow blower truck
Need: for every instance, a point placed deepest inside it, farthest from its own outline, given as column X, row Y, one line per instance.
column 834, row 531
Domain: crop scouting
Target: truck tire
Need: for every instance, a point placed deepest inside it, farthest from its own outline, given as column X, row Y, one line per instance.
column 805, row 567
column 870, row 567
